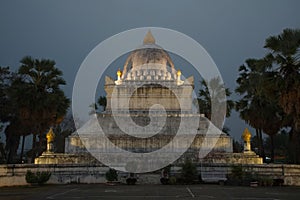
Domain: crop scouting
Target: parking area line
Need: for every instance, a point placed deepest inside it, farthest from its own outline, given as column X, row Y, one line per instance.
column 62, row 193
column 190, row 192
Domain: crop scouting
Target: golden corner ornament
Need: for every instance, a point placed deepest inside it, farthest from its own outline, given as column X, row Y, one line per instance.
column 246, row 135
column 50, row 136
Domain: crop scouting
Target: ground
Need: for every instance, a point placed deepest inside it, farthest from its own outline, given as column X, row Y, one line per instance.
column 165, row 192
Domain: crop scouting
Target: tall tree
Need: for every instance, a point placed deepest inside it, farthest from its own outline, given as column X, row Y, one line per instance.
column 255, row 107
column 17, row 126
column 249, row 105
column 38, row 98
column 284, row 57
column 63, row 130
column 211, row 93
column 274, row 88
column 5, row 80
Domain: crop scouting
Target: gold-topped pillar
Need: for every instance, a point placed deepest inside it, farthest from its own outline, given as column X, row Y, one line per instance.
column 247, row 140
column 119, row 80
column 179, row 81
column 50, row 139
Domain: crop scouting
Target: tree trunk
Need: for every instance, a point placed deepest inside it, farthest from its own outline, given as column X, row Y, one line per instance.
column 22, row 148
column 272, row 148
column 3, row 157
column 13, row 144
column 261, row 145
column 295, row 146
column 258, row 141
column 33, row 149
column 297, row 141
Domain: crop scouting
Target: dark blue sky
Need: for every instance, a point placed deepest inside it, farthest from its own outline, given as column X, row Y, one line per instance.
column 66, row 31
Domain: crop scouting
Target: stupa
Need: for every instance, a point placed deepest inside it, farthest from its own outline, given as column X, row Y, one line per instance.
column 149, row 81
column 150, row 90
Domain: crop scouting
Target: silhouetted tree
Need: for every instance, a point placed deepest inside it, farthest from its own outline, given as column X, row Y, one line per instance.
column 63, row 130
column 37, row 101
column 211, row 93
column 284, row 58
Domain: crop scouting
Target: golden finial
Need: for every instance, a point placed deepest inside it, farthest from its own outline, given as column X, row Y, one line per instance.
column 119, row 80
column 119, row 73
column 246, row 135
column 149, row 39
column 178, row 72
column 179, row 81
column 50, row 136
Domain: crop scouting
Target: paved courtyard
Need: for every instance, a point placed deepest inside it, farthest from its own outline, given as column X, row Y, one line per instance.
column 99, row 191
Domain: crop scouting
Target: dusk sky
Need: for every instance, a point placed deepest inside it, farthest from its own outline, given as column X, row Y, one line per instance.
column 66, row 31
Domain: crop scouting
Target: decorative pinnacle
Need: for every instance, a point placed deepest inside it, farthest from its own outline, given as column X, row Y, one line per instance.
column 149, row 39
column 246, row 135
column 50, row 136
column 178, row 72
column 119, row 73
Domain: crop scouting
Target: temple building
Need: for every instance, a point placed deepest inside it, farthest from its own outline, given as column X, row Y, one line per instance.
column 150, row 78
column 149, row 90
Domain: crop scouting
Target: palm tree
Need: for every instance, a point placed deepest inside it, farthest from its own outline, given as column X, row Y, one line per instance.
column 5, row 79
column 39, row 102
column 18, row 125
column 13, row 130
column 271, row 89
column 255, row 106
column 284, row 58
column 211, row 93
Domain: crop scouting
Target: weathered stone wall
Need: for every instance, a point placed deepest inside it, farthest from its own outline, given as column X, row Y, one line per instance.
column 11, row 175
column 234, row 158
column 76, row 144
column 222, row 143
column 93, row 137
column 61, row 158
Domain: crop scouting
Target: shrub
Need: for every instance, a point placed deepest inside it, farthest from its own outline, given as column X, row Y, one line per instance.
column 37, row 178
column 131, row 180
column 164, row 181
column 165, row 175
column 265, row 181
column 188, row 172
column 240, row 176
column 111, row 175
column 172, row 180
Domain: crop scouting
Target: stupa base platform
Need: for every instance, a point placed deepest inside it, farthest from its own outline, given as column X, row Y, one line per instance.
column 61, row 158
column 244, row 158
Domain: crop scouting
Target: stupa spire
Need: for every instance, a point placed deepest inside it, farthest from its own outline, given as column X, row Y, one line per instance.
column 149, row 39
